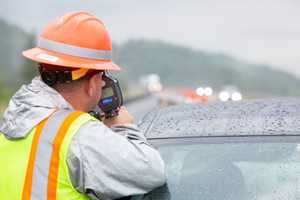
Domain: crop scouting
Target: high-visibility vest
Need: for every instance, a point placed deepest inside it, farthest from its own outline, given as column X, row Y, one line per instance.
column 35, row 168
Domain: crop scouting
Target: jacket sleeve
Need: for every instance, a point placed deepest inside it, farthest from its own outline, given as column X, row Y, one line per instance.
column 111, row 163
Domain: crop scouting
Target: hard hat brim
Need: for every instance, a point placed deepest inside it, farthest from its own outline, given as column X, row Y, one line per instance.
column 49, row 57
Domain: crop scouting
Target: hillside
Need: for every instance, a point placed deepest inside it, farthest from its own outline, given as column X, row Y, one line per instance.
column 182, row 66
column 13, row 40
column 176, row 65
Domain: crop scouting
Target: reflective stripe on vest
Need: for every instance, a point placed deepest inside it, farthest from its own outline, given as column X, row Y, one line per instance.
column 42, row 171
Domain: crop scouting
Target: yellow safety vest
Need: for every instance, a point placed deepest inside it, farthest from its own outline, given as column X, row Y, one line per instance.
column 35, row 168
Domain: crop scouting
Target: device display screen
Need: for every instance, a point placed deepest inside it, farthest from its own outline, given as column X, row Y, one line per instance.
column 107, row 101
column 107, row 92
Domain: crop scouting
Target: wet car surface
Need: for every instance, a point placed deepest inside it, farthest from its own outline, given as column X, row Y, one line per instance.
column 233, row 150
column 278, row 117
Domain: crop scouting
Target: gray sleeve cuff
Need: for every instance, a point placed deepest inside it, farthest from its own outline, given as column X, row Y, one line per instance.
column 131, row 131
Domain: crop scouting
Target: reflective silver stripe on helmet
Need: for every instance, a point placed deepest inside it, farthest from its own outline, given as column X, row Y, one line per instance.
column 74, row 50
column 43, row 155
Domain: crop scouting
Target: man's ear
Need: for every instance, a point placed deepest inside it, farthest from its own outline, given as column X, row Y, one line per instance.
column 92, row 86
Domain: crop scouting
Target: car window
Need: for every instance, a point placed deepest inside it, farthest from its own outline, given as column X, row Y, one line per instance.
column 243, row 171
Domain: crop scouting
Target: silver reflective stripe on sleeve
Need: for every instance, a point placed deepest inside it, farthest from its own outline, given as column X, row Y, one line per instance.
column 43, row 155
column 71, row 50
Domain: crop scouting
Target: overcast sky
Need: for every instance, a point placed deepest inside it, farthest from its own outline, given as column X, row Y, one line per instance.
column 263, row 31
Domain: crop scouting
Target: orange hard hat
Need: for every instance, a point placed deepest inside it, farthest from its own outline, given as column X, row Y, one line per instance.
column 76, row 40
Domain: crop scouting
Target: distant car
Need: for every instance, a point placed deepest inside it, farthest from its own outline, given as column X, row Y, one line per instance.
column 247, row 150
column 230, row 93
column 175, row 96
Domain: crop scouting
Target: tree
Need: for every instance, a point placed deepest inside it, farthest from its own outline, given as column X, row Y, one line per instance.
column 29, row 68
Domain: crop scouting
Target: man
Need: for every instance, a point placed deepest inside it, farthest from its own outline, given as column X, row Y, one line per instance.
column 50, row 147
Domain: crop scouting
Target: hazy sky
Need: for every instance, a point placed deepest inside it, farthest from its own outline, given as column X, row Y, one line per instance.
column 264, row 31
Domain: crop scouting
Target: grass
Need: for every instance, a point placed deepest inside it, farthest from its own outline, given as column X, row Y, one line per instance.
column 5, row 95
column 2, row 108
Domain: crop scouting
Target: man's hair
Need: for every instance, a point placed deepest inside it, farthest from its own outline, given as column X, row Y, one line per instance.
column 48, row 67
column 69, row 86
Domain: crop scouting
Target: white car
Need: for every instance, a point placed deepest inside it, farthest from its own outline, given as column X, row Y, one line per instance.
column 248, row 150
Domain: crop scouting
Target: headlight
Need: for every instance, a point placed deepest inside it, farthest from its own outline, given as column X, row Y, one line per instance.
column 208, row 91
column 200, row 91
column 236, row 96
column 224, row 96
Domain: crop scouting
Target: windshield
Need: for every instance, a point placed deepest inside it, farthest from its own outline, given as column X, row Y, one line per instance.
column 230, row 171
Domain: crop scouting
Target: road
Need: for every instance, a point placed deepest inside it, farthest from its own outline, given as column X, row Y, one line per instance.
column 141, row 107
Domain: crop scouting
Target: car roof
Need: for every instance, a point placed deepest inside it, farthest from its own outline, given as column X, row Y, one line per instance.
column 244, row 118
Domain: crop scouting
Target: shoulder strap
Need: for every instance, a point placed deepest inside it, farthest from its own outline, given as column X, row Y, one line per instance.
column 42, row 170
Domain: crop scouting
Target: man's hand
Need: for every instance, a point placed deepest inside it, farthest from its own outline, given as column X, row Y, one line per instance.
column 124, row 117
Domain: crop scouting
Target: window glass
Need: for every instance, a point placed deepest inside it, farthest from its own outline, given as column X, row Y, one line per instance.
column 253, row 171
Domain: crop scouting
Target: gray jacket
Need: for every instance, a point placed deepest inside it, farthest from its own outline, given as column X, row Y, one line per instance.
column 104, row 163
